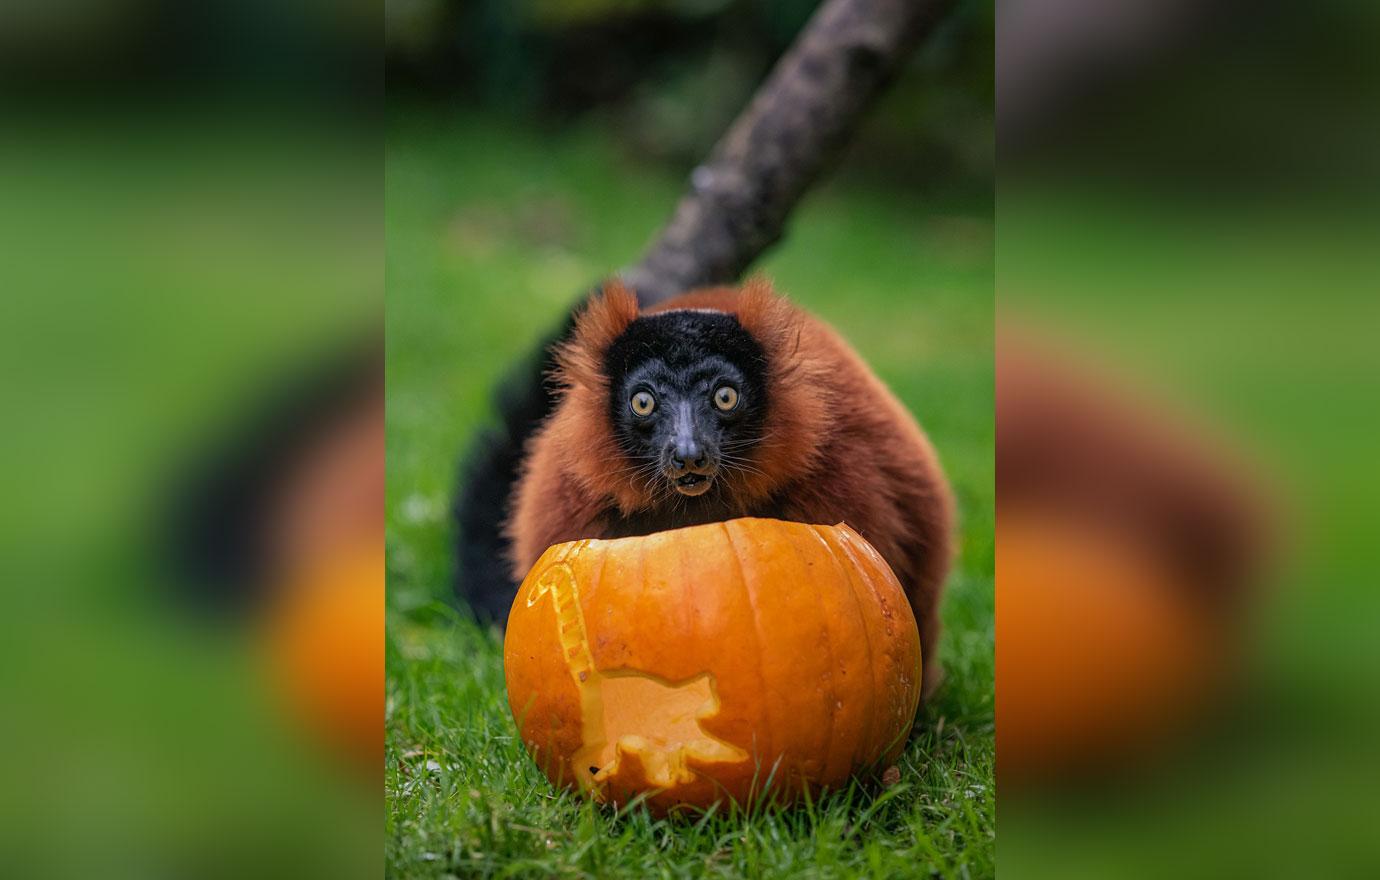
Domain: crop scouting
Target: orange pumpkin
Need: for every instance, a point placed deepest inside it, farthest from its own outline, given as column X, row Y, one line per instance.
column 1099, row 654
column 698, row 663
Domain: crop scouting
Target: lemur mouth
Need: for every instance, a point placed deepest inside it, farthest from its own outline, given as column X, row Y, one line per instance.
column 692, row 484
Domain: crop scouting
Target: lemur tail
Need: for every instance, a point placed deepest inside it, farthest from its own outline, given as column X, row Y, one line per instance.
column 488, row 471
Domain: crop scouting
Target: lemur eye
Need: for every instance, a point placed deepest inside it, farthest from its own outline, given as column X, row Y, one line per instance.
column 643, row 403
column 726, row 397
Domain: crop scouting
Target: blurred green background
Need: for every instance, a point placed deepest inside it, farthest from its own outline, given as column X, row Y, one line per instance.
column 533, row 149
column 1260, row 327
column 190, row 217
column 1203, row 234
column 154, row 295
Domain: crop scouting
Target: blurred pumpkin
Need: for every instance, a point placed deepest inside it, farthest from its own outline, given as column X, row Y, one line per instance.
column 699, row 663
column 1100, row 653
column 325, row 637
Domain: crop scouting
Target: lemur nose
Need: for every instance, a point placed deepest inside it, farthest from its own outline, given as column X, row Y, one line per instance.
column 687, row 450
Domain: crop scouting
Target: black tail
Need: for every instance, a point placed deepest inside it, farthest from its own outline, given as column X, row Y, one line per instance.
column 523, row 400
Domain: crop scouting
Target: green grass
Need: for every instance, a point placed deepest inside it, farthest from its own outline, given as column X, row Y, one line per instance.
column 491, row 231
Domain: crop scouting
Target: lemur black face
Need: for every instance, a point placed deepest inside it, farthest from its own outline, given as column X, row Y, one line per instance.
column 688, row 397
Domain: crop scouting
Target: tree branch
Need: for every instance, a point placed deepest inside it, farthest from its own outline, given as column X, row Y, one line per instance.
column 796, row 124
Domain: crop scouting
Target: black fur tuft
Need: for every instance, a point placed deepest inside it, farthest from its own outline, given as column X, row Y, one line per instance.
column 523, row 399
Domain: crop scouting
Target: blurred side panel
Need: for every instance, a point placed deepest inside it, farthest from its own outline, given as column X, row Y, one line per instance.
column 1187, row 398
column 190, row 325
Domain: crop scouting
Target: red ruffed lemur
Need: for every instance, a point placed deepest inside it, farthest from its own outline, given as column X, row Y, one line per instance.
column 720, row 403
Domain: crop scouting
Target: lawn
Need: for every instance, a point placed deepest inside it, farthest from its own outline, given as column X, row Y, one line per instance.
column 492, row 229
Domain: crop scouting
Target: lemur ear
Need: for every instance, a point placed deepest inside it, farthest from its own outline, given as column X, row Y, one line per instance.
column 579, row 361
column 769, row 318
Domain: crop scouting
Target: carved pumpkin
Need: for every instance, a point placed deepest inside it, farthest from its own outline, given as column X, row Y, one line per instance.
column 696, row 663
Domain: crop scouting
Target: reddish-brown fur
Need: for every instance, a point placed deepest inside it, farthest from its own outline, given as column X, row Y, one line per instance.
column 839, row 447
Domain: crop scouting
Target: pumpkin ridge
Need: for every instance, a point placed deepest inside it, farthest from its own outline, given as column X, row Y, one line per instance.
column 907, row 722
column 559, row 581
column 833, row 685
column 869, row 731
column 579, row 762
column 770, row 734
